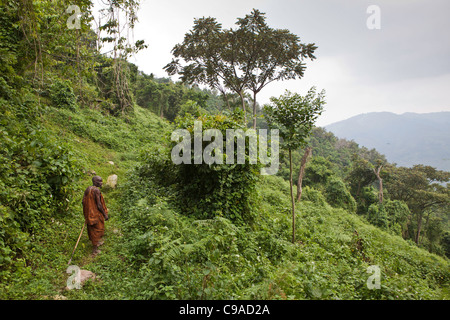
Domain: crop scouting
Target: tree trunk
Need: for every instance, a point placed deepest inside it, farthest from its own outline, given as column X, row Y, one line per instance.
column 292, row 196
column 241, row 94
column 419, row 227
column 405, row 233
column 254, row 110
column 302, row 172
column 380, row 182
column 427, row 220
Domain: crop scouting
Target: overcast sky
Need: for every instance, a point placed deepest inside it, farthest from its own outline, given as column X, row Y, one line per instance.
column 402, row 67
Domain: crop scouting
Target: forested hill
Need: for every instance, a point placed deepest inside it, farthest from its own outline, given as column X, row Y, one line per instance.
column 406, row 139
column 185, row 231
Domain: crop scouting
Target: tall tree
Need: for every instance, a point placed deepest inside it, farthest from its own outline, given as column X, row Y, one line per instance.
column 210, row 56
column 267, row 55
column 360, row 175
column 301, row 173
column 121, row 17
column 420, row 187
column 247, row 58
column 294, row 116
column 380, row 183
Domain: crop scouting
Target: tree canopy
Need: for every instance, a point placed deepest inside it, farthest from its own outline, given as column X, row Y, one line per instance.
column 246, row 58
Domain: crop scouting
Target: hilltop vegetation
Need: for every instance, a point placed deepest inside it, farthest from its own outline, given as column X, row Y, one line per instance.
column 180, row 232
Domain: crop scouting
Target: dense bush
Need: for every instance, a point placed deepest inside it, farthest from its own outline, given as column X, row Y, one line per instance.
column 318, row 171
column 222, row 190
column 338, row 195
column 165, row 98
column 12, row 239
column 178, row 256
column 398, row 214
column 377, row 216
column 313, row 195
column 62, row 96
column 366, row 197
column 37, row 175
column 390, row 215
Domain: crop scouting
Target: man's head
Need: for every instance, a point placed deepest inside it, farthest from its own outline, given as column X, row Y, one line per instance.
column 97, row 181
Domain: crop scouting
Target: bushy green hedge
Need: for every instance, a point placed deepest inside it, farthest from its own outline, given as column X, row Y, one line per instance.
column 223, row 190
column 37, row 174
column 205, row 191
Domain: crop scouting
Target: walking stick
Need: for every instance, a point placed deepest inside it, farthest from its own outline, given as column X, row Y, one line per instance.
column 77, row 243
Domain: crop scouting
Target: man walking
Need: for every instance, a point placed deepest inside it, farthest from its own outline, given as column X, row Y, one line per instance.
column 95, row 213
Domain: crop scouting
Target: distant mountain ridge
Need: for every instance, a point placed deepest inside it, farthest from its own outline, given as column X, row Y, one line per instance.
column 405, row 139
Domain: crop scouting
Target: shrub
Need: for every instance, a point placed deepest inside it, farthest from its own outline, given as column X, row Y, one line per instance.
column 12, row 239
column 377, row 215
column 390, row 215
column 318, row 172
column 367, row 197
column 37, row 175
column 62, row 96
column 191, row 107
column 313, row 195
column 210, row 190
column 338, row 196
column 397, row 212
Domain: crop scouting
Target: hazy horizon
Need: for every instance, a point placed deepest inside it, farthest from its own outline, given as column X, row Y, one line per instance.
column 401, row 67
column 390, row 112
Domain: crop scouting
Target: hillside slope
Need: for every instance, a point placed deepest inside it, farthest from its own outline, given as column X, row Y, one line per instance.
column 405, row 139
column 162, row 253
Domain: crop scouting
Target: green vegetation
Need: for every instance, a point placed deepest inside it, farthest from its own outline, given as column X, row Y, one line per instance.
column 247, row 58
column 188, row 231
column 294, row 117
